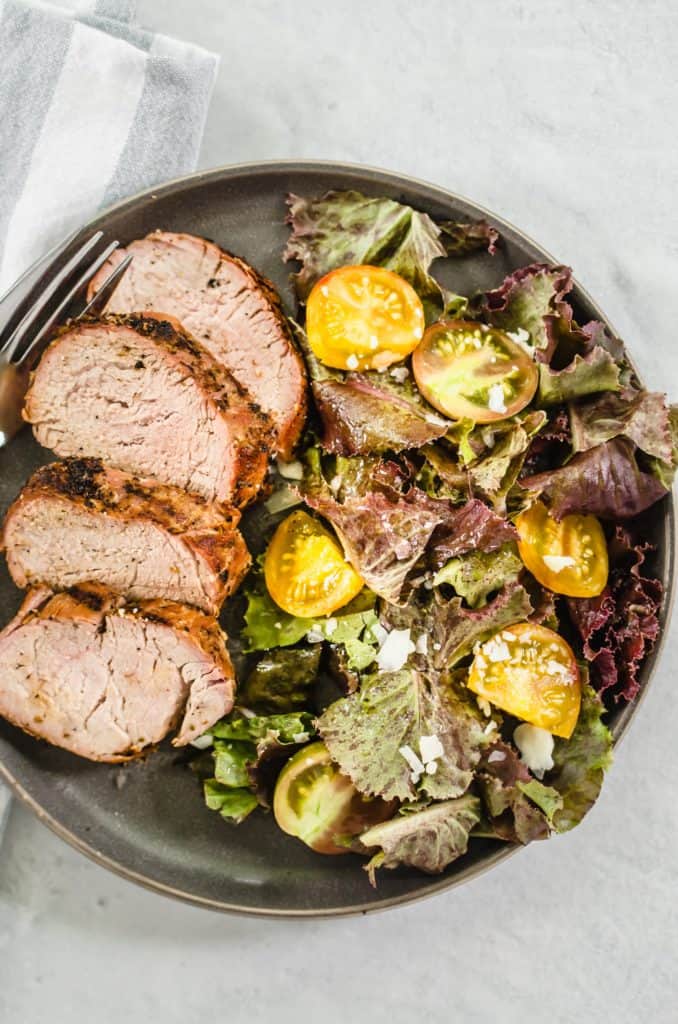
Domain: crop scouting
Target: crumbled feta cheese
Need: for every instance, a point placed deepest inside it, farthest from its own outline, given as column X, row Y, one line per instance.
column 395, row 650
column 278, row 625
column 378, row 632
column 330, row 626
column 554, row 668
column 431, row 767
column 282, row 499
column 290, row 470
column 521, row 337
column 301, row 737
column 400, row 373
column 490, row 727
column 335, row 483
column 496, row 755
column 497, row 649
column 436, row 647
column 535, row 746
column 421, row 646
column 315, row 635
column 484, row 706
column 413, row 761
column 430, row 748
column 556, row 563
column 203, row 742
column 495, row 398
column 352, row 362
column 324, row 290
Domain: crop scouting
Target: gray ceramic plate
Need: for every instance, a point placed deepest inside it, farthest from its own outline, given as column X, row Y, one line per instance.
column 147, row 821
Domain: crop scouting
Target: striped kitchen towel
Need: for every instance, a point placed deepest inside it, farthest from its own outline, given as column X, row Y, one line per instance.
column 92, row 109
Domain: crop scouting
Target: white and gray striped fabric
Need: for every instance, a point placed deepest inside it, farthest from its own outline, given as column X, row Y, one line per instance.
column 92, row 109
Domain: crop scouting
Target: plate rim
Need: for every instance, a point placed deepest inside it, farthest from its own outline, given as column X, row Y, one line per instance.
column 503, row 852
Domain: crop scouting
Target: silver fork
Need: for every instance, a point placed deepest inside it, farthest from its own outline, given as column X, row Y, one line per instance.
column 27, row 324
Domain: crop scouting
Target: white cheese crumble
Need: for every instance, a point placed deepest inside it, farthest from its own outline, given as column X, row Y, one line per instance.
column 484, row 706
column 282, row 499
column 495, row 398
column 330, row 626
column 535, row 746
column 556, row 563
column 430, row 748
column 378, row 632
column 496, row 755
column 395, row 650
column 431, row 767
column 400, row 373
column 300, row 737
column 554, row 668
column 413, row 761
column 290, row 470
column 421, row 646
column 315, row 635
column 352, row 362
column 203, row 742
column 497, row 649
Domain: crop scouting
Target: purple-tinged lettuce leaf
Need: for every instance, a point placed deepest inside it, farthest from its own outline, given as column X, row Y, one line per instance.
column 585, row 375
column 551, row 445
column 665, row 470
column 360, row 418
column 428, row 839
column 383, row 535
column 580, row 763
column 619, row 628
column 342, row 228
column 365, row 732
column 470, row 527
column 461, row 239
column 507, row 790
column 525, row 299
column 475, row 575
column 605, row 481
column 642, row 416
column 451, row 629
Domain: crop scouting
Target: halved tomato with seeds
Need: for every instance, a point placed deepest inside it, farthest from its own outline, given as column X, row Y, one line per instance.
column 363, row 318
column 316, row 803
column 569, row 556
column 305, row 570
column 468, row 370
column 530, row 672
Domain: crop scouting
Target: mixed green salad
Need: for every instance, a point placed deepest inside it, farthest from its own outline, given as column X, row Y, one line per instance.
column 454, row 582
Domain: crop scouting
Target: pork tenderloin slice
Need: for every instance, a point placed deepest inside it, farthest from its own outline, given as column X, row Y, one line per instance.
column 80, row 520
column 229, row 307
column 149, row 400
column 105, row 679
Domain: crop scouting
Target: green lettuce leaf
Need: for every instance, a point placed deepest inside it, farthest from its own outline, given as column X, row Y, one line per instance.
column 460, row 238
column 296, row 727
column 231, row 758
column 526, row 299
column 479, row 573
column 342, row 228
column 580, row 763
column 428, row 839
column 605, row 481
column 232, row 804
column 268, row 626
column 642, row 416
column 585, row 375
column 281, row 680
column 365, row 732
column 495, row 473
column 505, row 785
column 453, row 630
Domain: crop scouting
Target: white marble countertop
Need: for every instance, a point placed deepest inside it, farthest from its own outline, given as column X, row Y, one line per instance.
column 556, row 115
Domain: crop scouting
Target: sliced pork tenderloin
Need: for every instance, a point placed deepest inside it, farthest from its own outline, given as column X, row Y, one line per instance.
column 80, row 520
column 105, row 679
column 146, row 398
column 230, row 308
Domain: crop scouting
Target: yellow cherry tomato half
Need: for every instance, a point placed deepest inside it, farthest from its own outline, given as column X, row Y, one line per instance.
column 305, row 570
column 363, row 318
column 470, row 371
column 569, row 557
column 316, row 803
column 531, row 672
